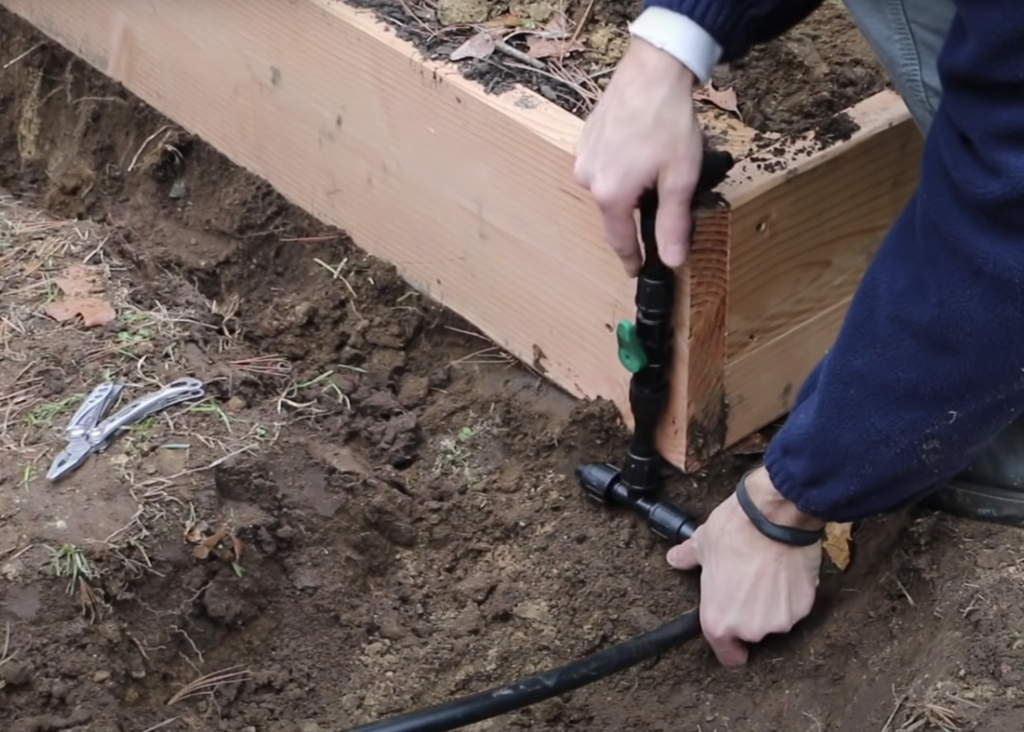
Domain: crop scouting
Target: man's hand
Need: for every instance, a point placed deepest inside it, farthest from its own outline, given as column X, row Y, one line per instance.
column 644, row 133
column 751, row 586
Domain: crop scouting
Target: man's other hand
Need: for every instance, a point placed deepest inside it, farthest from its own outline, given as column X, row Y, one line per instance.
column 750, row 585
column 643, row 133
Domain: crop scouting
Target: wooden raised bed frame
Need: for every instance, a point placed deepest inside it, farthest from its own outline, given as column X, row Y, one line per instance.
column 472, row 197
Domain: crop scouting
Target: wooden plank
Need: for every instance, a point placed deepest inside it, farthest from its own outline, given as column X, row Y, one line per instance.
column 802, row 238
column 801, row 242
column 695, row 425
column 471, row 196
column 761, row 385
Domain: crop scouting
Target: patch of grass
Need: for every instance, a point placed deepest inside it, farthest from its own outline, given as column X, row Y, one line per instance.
column 209, row 407
column 43, row 415
column 456, row 453
column 70, row 561
column 320, row 386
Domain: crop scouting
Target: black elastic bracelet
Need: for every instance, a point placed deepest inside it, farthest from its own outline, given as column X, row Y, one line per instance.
column 783, row 534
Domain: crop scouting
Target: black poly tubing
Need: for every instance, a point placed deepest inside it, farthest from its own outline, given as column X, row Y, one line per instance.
column 501, row 700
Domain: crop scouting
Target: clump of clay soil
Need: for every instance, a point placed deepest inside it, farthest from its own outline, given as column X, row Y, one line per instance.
column 374, row 508
column 566, row 51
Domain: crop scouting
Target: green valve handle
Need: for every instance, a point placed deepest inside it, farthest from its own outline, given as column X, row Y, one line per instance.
column 631, row 352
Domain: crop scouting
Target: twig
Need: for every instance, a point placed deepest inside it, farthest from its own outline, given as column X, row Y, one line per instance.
column 20, row 56
column 191, row 471
column 144, row 145
column 309, row 239
column 887, row 727
column 579, row 26
column 272, row 365
column 4, row 657
column 905, row 592
column 518, row 55
column 207, row 684
column 587, row 96
column 18, row 553
column 498, row 357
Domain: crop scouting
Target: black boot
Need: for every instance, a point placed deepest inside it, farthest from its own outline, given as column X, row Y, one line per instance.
column 992, row 488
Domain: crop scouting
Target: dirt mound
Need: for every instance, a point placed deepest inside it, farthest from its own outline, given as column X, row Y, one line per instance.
column 374, row 508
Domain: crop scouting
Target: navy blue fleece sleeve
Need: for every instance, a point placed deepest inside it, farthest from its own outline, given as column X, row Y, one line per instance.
column 929, row 364
column 737, row 25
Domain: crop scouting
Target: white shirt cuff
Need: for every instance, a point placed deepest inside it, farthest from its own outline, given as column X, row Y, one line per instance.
column 679, row 37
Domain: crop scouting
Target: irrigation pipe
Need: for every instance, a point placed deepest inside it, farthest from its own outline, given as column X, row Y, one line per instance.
column 501, row 700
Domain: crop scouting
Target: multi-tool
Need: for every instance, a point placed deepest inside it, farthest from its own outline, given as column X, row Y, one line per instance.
column 87, row 435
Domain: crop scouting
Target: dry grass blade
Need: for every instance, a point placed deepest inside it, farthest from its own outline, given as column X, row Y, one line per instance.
column 492, row 355
column 209, row 683
column 5, row 654
column 161, row 725
column 272, row 365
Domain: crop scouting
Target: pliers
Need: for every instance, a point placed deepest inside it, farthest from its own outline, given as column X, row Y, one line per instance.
column 87, row 435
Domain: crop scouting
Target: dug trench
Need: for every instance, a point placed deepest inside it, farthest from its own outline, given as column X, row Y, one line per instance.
column 374, row 509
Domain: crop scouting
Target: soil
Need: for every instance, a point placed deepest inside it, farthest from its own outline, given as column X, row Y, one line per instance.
column 373, row 509
column 801, row 82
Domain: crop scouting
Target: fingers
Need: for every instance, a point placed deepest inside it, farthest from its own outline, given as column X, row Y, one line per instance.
column 729, row 650
column 683, row 556
column 616, row 203
column 672, row 230
column 620, row 231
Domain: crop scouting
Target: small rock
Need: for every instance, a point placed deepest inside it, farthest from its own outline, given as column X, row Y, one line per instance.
column 179, row 189
column 439, row 378
column 305, row 579
column 470, row 621
column 414, row 391
column 100, row 676
column 16, row 673
column 533, row 610
column 477, row 587
column 235, row 404
column 310, row 727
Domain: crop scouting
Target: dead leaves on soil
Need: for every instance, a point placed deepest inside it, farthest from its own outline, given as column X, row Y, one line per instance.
column 84, row 291
column 838, row 538
column 479, row 46
column 221, row 544
column 552, row 39
column 724, row 99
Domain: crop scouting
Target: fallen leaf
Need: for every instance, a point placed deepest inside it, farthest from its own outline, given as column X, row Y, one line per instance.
column 558, row 23
column 94, row 311
column 237, row 546
column 479, row 46
column 837, row 543
column 724, row 99
column 80, row 280
column 216, row 538
column 539, row 47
